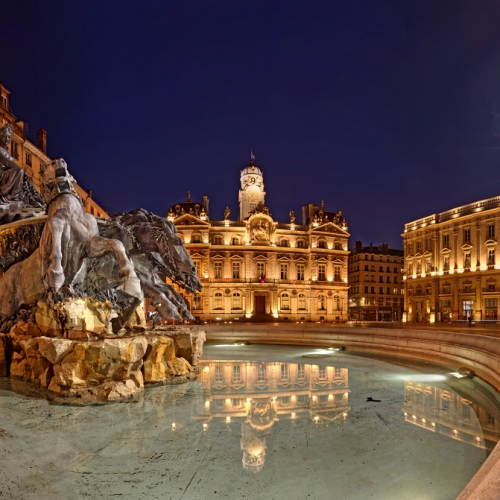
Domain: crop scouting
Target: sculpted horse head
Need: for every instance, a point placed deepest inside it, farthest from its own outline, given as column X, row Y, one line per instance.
column 158, row 237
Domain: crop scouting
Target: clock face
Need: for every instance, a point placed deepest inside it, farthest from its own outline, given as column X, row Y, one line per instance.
column 252, row 180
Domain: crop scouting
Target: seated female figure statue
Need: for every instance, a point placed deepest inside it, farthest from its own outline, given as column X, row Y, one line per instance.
column 16, row 190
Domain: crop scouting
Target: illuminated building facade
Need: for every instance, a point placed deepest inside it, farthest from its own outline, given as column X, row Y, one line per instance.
column 451, row 269
column 257, row 267
column 376, row 283
column 30, row 156
column 258, row 394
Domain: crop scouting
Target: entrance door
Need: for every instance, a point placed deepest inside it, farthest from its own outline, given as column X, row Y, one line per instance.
column 260, row 304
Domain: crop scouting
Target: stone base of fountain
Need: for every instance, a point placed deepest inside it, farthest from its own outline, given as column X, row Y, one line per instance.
column 71, row 352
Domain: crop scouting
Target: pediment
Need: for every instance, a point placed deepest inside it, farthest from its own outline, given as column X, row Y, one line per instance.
column 236, row 256
column 260, row 258
column 322, row 259
column 300, row 258
column 190, row 220
column 196, row 255
column 337, row 261
column 490, row 243
column 428, row 254
column 445, row 251
column 466, row 246
column 217, row 256
column 329, row 227
column 283, row 258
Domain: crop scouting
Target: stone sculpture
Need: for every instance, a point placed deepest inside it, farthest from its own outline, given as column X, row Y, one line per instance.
column 71, row 283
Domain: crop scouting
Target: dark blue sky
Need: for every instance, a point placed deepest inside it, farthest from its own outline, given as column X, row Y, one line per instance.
column 389, row 111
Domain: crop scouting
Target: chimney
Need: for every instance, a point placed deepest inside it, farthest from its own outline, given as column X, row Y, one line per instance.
column 89, row 192
column 205, row 202
column 359, row 246
column 41, row 140
column 304, row 214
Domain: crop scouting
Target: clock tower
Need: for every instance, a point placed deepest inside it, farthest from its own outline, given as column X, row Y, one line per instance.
column 252, row 188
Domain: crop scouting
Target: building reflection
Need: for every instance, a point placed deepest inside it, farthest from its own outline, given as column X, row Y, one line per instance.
column 439, row 410
column 262, row 393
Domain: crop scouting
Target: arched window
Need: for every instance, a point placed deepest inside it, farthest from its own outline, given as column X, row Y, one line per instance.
column 336, row 302
column 302, row 301
column 284, row 243
column 285, row 301
column 321, row 303
column 218, row 300
column 321, row 244
column 300, row 244
column 196, row 238
column 236, row 300
column 218, row 240
column 338, row 246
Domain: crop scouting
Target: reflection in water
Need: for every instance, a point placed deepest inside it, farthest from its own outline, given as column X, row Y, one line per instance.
column 261, row 393
column 440, row 410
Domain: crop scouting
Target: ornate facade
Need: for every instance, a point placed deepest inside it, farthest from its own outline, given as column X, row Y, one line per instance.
column 29, row 157
column 257, row 267
column 451, row 269
column 376, row 283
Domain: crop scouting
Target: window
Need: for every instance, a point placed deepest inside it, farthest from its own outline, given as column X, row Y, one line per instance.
column 491, row 307
column 395, row 279
column 235, row 240
column 380, row 302
column 321, row 303
column 284, row 243
column 380, row 279
column 322, row 372
column 419, row 267
column 372, row 289
column 321, row 244
column 300, row 272
column 381, row 269
column 388, row 280
column 236, row 300
column 467, row 260
column 366, row 289
column 395, row 291
column 428, row 244
column 261, row 373
column 301, row 371
column 336, row 303
column 218, row 269
column 419, row 246
column 466, row 235
column 467, row 307
column 410, row 269
column 197, row 302
column 321, row 272
column 388, row 269
column 196, row 238
column 446, row 240
column 388, row 290
column 492, row 285
column 218, row 240
column 300, row 244
column 410, row 248
column 284, row 271
column 219, row 376
column 491, row 230
column 218, row 300
column 336, row 274
column 381, row 289
column 302, row 301
column 14, row 149
column 236, row 270
column 446, row 263
column 284, row 372
column 4, row 100
column 236, row 373
column 366, row 268
column 261, row 270
column 28, row 158
column 338, row 372
column 491, row 257
column 285, row 301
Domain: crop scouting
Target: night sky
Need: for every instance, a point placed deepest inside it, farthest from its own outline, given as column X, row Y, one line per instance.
column 387, row 110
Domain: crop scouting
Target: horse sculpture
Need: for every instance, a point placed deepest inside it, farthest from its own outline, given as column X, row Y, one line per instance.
column 121, row 258
column 153, row 246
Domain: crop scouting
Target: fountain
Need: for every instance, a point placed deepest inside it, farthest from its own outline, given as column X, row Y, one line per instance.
column 71, row 320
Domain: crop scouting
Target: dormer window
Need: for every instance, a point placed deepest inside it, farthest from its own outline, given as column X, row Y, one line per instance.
column 5, row 101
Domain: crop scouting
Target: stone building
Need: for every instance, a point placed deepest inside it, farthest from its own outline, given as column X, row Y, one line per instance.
column 30, row 156
column 451, row 269
column 376, row 283
column 257, row 267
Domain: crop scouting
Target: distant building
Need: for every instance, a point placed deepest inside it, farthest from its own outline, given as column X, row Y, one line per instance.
column 451, row 268
column 257, row 267
column 29, row 156
column 376, row 283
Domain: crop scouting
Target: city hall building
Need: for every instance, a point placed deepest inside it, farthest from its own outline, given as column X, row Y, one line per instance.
column 255, row 267
column 451, row 269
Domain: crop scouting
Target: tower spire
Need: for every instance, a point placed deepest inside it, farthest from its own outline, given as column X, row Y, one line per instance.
column 252, row 156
